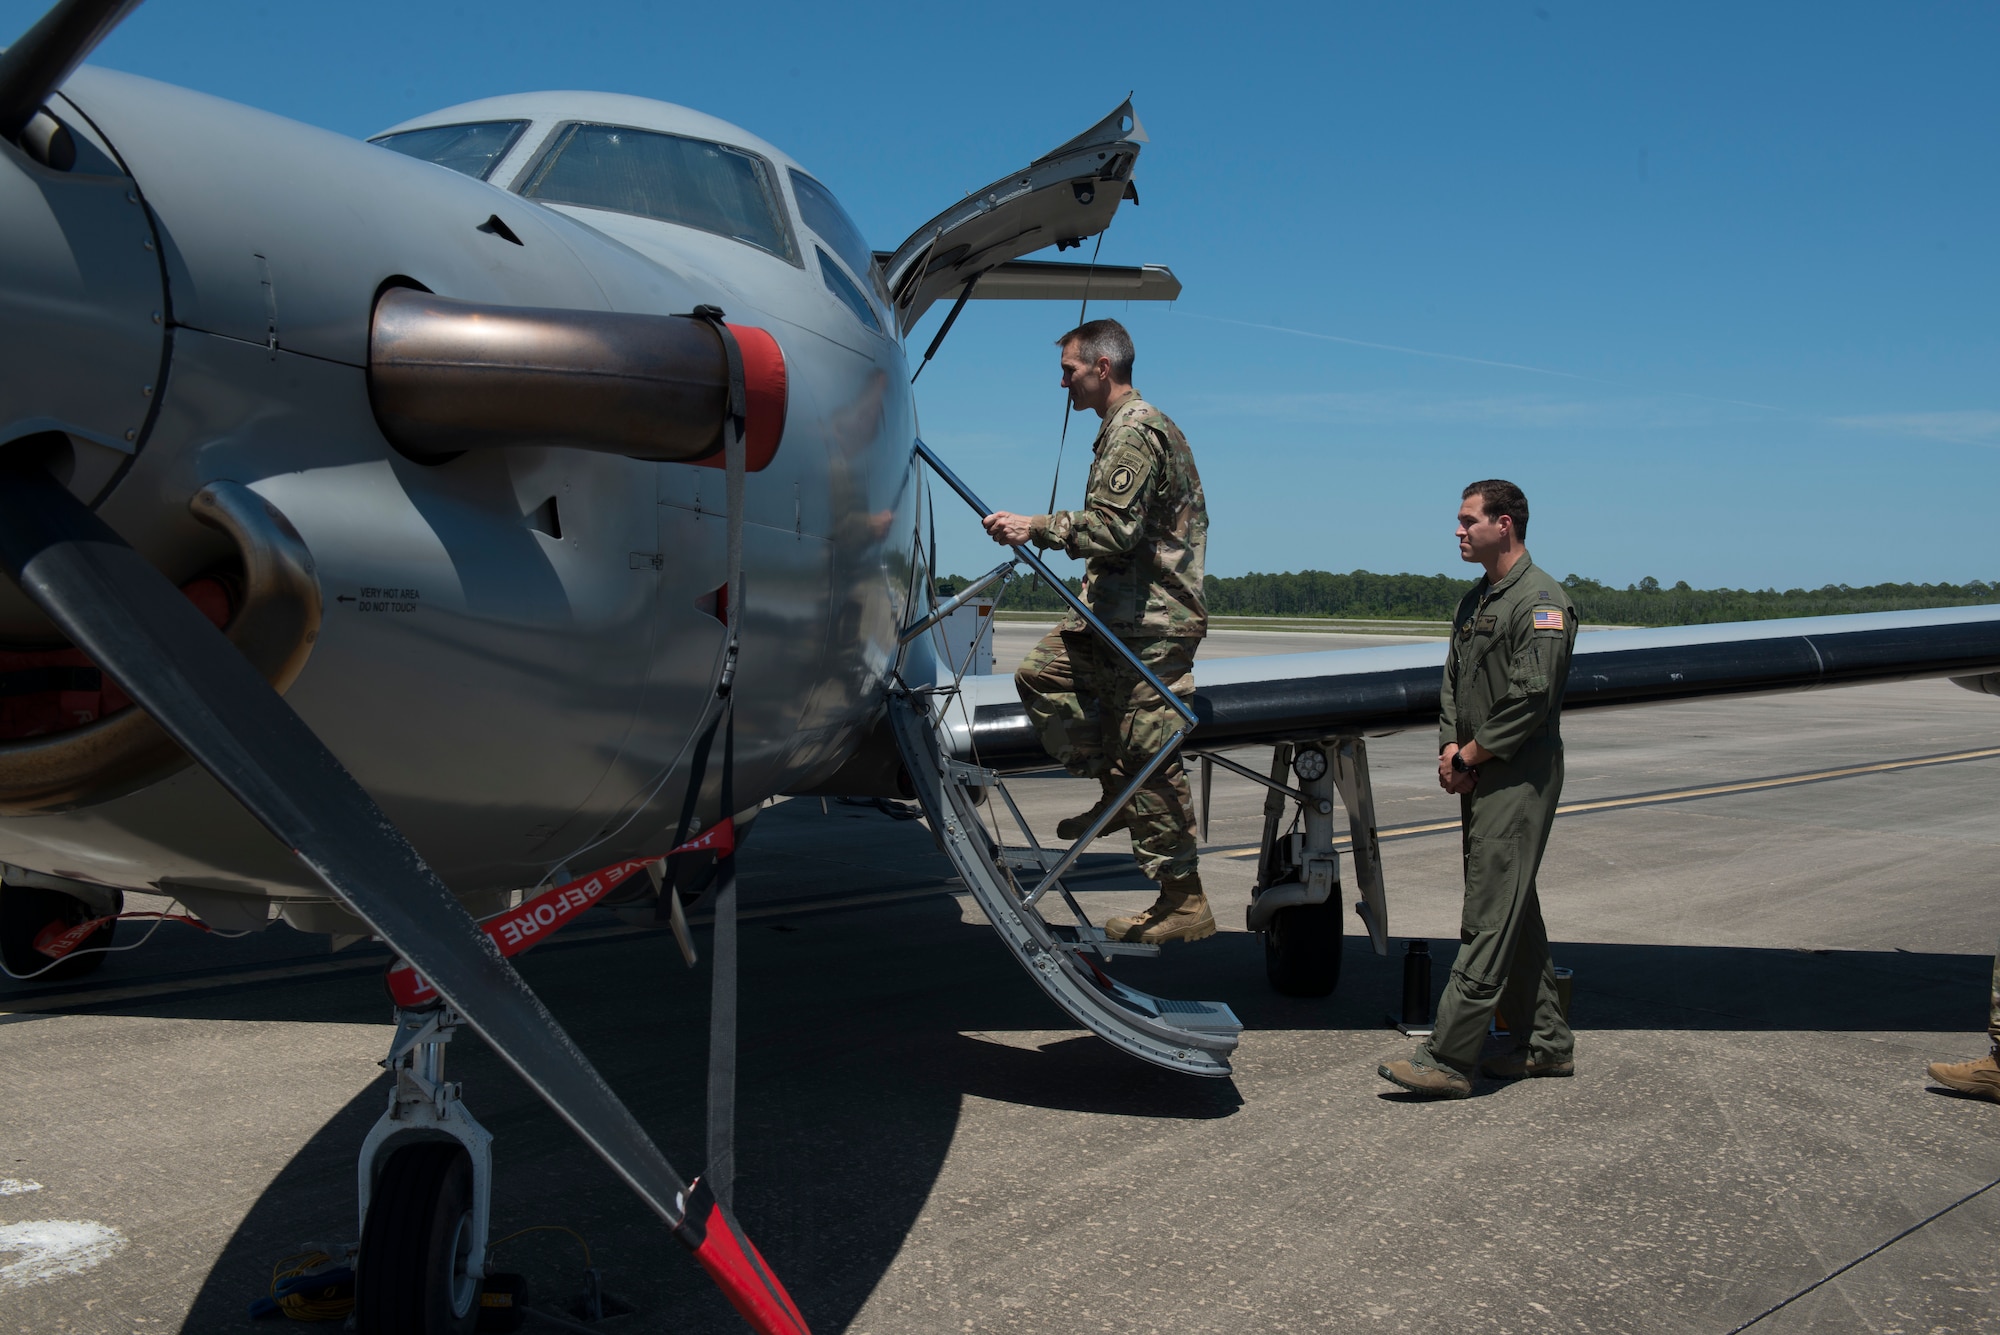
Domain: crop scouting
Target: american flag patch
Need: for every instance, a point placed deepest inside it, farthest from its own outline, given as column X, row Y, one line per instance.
column 1548, row 618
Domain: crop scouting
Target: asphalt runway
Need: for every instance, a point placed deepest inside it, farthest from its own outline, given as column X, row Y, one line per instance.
column 1778, row 909
column 1013, row 639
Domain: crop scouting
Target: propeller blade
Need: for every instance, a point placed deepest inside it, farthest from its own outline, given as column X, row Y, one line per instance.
column 177, row 667
column 35, row 66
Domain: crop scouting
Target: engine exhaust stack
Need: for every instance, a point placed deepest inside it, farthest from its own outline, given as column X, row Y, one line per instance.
column 446, row 376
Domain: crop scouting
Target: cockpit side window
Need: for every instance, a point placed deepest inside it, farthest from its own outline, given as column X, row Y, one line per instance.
column 843, row 287
column 692, row 182
column 823, row 214
column 473, row 149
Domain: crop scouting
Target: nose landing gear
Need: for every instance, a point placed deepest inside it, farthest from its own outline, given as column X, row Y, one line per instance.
column 426, row 1178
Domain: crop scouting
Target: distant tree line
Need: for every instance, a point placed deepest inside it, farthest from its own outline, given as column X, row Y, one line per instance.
column 1365, row 595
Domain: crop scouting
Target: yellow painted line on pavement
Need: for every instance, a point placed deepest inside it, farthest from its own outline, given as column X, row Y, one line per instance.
column 1686, row 794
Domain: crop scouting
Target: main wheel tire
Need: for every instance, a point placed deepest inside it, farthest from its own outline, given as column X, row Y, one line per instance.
column 416, row 1245
column 25, row 910
column 1302, row 949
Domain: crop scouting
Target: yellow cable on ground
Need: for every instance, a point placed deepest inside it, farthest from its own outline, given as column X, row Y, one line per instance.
column 304, row 1306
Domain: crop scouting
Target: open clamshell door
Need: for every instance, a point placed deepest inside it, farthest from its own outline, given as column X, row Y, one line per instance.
column 1059, row 199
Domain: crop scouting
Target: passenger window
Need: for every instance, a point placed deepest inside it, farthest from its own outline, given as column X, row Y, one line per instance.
column 822, row 212
column 843, row 287
column 473, row 150
column 708, row 186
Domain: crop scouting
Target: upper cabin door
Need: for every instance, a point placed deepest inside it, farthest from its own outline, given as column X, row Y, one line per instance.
column 1058, row 199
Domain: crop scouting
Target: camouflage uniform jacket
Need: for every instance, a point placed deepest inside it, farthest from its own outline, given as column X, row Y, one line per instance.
column 1143, row 529
column 1508, row 663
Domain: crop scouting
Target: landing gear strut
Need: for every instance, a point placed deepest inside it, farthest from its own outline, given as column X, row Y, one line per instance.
column 1296, row 904
column 426, row 1177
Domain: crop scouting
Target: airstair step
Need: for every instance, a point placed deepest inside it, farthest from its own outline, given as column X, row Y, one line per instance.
column 1078, row 937
column 1196, row 1037
column 1212, row 1017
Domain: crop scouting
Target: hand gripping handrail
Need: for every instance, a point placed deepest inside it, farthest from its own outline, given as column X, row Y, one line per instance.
column 1034, row 562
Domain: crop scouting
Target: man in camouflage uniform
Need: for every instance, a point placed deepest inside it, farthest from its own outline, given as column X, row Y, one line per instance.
column 1144, row 532
column 1979, row 1077
column 1500, row 750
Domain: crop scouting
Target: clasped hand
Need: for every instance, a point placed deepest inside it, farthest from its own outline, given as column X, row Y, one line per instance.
column 1457, row 781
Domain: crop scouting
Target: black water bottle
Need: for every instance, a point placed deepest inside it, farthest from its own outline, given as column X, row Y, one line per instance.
column 1417, row 983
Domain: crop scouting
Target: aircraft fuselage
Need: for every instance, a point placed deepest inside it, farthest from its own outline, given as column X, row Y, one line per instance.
column 512, row 648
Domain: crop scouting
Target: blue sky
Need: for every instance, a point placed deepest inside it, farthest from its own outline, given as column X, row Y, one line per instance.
column 1715, row 284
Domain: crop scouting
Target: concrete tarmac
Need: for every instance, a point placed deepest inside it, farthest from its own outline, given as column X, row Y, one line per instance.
column 926, row 1145
column 1013, row 639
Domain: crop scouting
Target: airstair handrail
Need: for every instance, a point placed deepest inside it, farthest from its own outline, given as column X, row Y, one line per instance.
column 1027, row 554
column 1134, row 782
column 958, row 600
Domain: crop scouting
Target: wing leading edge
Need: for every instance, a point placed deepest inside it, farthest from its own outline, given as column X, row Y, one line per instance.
column 1276, row 697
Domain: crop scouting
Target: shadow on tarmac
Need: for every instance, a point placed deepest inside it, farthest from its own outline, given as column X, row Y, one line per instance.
column 849, row 1105
column 863, row 1033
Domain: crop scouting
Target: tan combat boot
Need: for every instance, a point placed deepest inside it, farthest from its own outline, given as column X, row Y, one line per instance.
column 1072, row 827
column 1430, row 1082
column 1180, row 914
column 1980, row 1078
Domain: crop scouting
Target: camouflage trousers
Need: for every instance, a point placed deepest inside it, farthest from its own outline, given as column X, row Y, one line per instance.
column 1103, row 721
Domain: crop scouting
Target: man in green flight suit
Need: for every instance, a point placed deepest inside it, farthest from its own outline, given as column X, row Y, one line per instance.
column 1144, row 532
column 1500, row 751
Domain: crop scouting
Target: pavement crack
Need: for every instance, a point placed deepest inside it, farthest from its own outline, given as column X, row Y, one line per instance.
column 1872, row 1251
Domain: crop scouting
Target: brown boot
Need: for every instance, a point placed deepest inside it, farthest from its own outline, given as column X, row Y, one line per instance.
column 1522, row 1063
column 1431, row 1082
column 1980, row 1078
column 1181, row 913
column 1072, row 827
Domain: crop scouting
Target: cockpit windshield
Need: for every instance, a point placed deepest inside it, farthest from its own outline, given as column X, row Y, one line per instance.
column 693, row 182
column 822, row 212
column 472, row 149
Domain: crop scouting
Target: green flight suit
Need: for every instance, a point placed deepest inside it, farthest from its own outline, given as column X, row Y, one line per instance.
column 1503, row 682
column 1144, row 533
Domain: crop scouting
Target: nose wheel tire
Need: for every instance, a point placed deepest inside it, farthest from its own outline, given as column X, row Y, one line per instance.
column 25, row 910
column 412, row 1277
column 1302, row 949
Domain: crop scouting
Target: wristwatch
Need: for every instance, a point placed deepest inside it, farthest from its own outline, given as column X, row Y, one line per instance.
column 1458, row 763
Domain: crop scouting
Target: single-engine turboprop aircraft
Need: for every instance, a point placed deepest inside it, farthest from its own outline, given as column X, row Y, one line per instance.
column 392, row 526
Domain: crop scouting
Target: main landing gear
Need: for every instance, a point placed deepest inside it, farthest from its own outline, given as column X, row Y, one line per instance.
column 426, row 1177
column 1296, row 902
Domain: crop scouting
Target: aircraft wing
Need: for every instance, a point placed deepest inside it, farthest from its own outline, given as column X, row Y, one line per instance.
column 1057, row 200
column 1277, row 697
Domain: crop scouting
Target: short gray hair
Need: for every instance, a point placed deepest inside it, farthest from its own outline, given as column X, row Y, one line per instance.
column 1103, row 338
